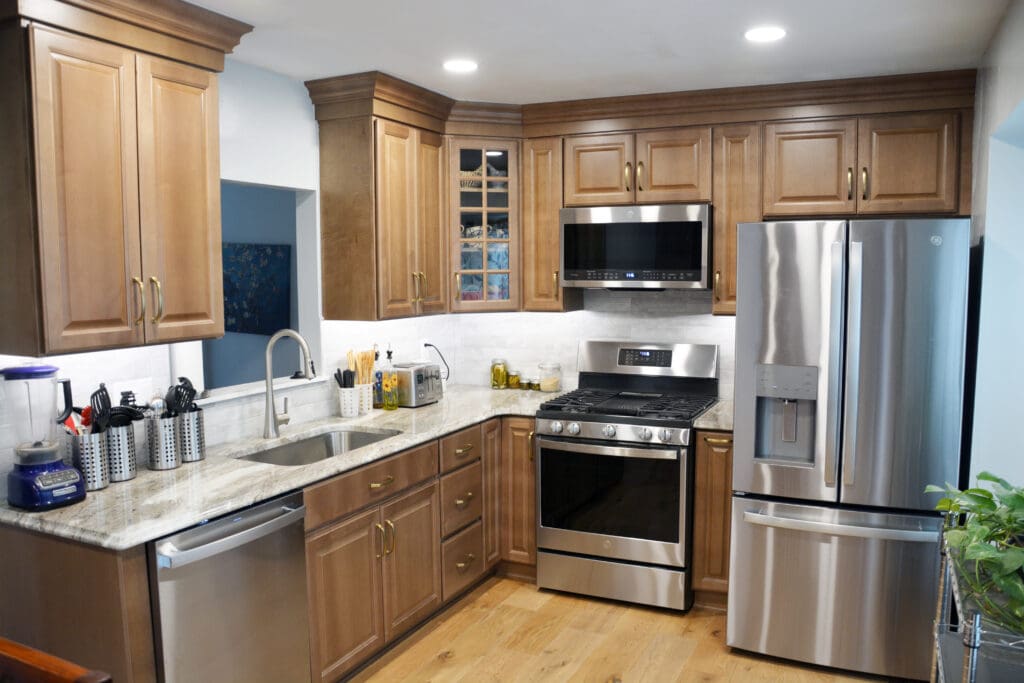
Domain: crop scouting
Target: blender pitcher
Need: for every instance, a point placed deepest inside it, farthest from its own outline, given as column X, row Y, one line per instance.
column 40, row 480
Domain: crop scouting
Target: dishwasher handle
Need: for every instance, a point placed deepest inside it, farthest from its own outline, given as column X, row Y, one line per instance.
column 169, row 556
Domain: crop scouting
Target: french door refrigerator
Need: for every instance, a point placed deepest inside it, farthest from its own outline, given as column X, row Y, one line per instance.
column 850, row 345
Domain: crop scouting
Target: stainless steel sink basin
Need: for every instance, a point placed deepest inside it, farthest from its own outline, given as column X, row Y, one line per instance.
column 320, row 447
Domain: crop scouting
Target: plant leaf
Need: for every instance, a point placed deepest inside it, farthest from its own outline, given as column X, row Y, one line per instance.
column 988, row 476
column 932, row 488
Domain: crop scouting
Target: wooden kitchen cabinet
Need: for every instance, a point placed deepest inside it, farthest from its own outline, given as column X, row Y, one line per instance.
column 485, row 224
column 900, row 163
column 712, row 496
column 737, row 187
column 650, row 167
column 121, row 245
column 491, row 458
column 542, row 200
column 518, row 492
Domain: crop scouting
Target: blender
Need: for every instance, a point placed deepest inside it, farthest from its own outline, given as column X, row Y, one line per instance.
column 40, row 479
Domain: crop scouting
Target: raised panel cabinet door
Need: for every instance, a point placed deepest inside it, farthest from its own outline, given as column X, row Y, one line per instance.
column 431, row 234
column 491, row 458
column 809, row 167
column 673, row 166
column 737, row 188
column 412, row 559
column 908, row 163
column 712, row 511
column 518, row 491
column 179, row 200
column 542, row 200
column 87, row 191
column 599, row 170
column 396, row 219
column 343, row 570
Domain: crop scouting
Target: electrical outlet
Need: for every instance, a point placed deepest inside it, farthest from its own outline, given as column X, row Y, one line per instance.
column 424, row 349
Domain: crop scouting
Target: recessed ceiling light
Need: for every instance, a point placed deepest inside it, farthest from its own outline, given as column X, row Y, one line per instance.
column 460, row 66
column 765, row 34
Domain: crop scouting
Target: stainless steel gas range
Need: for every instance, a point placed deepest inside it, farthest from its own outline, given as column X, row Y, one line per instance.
column 615, row 472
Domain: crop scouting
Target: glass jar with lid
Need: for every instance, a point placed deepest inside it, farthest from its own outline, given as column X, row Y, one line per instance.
column 550, row 376
column 499, row 373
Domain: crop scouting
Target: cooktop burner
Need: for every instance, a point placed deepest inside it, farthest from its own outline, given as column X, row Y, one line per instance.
column 597, row 402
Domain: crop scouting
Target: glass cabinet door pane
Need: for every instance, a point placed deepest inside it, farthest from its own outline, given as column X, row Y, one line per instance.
column 471, row 161
column 497, row 226
column 471, row 226
column 497, row 162
column 497, row 256
column 495, row 200
column 472, row 288
column 471, row 199
column 472, row 256
column 497, row 287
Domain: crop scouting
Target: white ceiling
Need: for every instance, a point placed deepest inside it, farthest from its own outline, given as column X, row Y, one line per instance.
column 544, row 50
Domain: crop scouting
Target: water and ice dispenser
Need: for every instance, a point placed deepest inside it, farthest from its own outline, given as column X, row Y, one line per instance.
column 786, row 401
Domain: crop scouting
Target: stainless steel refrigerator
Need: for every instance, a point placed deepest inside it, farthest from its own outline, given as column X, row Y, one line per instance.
column 850, row 350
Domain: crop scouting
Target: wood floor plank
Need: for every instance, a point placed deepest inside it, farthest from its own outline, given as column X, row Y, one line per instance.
column 508, row 631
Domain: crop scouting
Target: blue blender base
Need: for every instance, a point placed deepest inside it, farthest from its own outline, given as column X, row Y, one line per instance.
column 44, row 487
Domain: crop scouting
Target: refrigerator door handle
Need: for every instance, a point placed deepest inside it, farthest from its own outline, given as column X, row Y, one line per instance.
column 835, row 360
column 856, row 296
column 869, row 532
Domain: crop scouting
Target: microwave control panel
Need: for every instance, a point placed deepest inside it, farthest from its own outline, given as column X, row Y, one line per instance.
column 634, row 275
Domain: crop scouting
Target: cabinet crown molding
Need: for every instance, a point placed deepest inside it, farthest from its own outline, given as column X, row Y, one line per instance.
column 169, row 17
column 364, row 88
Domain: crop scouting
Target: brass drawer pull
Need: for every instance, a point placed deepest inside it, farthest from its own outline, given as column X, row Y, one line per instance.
column 464, row 501
column 717, row 441
column 386, row 481
column 159, row 299
column 464, row 565
column 558, row 290
column 383, row 541
column 142, row 301
column 462, row 450
column 718, row 279
column 391, row 527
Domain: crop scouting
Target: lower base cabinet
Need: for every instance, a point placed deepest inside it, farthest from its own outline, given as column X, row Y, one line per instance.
column 462, row 560
column 712, row 517
column 518, row 492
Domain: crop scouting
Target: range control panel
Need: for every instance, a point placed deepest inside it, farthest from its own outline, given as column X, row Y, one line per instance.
column 652, row 358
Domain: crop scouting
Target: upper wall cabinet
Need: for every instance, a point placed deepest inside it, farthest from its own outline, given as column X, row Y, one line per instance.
column 651, row 167
column 383, row 197
column 119, row 243
column 906, row 163
column 485, row 224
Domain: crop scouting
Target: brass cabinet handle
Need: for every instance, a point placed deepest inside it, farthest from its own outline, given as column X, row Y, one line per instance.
column 529, row 439
column 383, row 541
column 864, row 181
column 558, row 290
column 423, row 279
column 718, row 279
column 458, row 286
column 639, row 176
column 717, row 441
column 142, row 301
column 417, row 297
column 155, row 282
column 391, row 527
column 464, row 565
column 386, row 481
column 628, row 172
column 462, row 450
column 849, row 183
column 464, row 501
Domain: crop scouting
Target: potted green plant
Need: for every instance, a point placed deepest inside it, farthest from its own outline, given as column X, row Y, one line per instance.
column 985, row 534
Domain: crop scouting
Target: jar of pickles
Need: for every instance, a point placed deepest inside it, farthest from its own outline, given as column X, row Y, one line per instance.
column 550, row 376
column 513, row 379
column 499, row 373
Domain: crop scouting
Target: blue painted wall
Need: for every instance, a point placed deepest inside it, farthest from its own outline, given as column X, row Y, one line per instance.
column 260, row 215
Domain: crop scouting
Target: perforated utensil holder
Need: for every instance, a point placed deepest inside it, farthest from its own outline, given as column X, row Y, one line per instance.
column 121, row 454
column 192, row 438
column 89, row 453
column 162, row 440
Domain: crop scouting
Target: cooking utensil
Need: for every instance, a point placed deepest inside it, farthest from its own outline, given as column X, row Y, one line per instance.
column 100, row 403
column 187, row 396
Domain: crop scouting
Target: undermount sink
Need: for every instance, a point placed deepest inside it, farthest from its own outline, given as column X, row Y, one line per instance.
column 320, row 447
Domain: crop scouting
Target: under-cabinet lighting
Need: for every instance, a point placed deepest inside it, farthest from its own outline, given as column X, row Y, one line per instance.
column 765, row 34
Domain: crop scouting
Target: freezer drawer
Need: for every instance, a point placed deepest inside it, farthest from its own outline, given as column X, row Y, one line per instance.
column 853, row 590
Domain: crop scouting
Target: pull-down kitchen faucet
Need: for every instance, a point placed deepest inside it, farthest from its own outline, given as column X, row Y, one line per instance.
column 272, row 420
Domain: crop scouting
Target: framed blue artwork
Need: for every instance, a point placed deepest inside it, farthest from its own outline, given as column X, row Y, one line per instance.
column 257, row 287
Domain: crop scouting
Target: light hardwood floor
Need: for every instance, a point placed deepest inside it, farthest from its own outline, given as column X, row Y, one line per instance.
column 507, row 630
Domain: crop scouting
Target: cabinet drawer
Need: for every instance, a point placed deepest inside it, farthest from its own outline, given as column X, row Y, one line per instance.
column 348, row 492
column 461, row 447
column 462, row 560
column 461, row 498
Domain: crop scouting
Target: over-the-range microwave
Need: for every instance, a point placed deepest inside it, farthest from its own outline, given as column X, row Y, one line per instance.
column 636, row 247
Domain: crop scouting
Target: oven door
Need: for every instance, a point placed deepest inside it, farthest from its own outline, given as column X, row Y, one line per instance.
column 627, row 503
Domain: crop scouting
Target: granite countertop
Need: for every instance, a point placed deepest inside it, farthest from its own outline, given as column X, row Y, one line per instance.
column 718, row 417
column 156, row 504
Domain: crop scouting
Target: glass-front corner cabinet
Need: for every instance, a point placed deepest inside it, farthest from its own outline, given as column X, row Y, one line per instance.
column 485, row 222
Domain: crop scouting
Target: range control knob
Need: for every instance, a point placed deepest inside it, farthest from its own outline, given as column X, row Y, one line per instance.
column 556, row 427
column 573, row 428
column 608, row 431
column 644, row 433
column 665, row 435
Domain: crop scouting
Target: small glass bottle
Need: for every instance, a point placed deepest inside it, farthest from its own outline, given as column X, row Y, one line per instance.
column 513, row 379
column 550, row 376
column 389, row 386
column 499, row 373
column 534, row 384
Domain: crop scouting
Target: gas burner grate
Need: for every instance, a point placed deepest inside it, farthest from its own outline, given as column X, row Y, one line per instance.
column 578, row 401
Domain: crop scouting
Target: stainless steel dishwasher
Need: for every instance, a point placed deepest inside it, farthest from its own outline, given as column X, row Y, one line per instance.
column 229, row 598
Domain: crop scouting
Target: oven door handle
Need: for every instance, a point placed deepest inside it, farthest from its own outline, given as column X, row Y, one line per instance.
column 614, row 451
